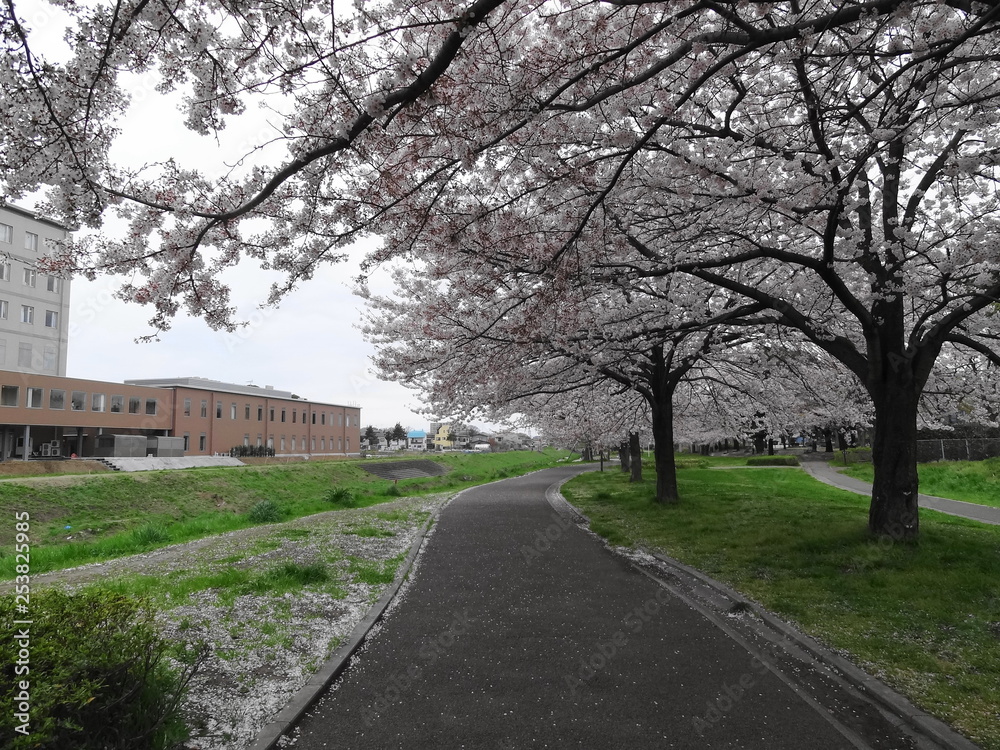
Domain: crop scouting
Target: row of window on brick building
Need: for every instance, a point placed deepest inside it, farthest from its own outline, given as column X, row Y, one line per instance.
column 296, row 444
column 10, row 395
column 281, row 414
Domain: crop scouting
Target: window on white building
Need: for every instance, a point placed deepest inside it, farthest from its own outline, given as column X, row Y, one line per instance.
column 30, row 276
column 27, row 314
column 51, row 319
column 6, row 233
column 31, row 241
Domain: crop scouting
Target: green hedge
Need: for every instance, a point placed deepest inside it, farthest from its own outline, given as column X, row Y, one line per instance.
column 773, row 461
column 691, row 463
column 98, row 675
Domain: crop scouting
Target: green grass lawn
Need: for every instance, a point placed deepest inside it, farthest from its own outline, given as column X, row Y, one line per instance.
column 103, row 517
column 924, row 618
column 968, row 481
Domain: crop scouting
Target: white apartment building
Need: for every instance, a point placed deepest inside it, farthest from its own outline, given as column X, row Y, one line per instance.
column 34, row 307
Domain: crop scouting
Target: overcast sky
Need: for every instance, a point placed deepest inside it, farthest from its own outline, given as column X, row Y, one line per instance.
column 309, row 345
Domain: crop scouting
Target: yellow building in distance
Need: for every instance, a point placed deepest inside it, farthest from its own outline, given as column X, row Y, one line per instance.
column 441, row 434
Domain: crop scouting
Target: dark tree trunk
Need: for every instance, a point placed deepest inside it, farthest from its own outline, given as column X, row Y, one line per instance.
column 623, row 455
column 758, row 443
column 841, row 441
column 635, row 457
column 663, row 445
column 770, row 447
column 828, row 436
column 893, row 512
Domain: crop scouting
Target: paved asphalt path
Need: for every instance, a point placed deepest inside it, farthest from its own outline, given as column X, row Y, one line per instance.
column 824, row 472
column 521, row 630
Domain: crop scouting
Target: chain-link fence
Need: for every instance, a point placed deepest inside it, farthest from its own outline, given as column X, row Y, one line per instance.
column 957, row 450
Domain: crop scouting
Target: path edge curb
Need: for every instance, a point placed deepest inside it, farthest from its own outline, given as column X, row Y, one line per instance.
column 919, row 720
column 272, row 732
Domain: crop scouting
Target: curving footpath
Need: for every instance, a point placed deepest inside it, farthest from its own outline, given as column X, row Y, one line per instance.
column 520, row 629
column 828, row 474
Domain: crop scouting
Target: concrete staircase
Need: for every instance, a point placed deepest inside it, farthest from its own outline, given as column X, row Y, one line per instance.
column 159, row 464
column 404, row 469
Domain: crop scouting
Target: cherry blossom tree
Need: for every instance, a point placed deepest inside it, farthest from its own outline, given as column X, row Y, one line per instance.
column 844, row 179
column 834, row 163
column 509, row 343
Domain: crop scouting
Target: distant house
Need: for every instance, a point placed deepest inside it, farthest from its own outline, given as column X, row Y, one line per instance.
column 513, row 441
column 416, row 440
column 440, row 433
column 474, row 438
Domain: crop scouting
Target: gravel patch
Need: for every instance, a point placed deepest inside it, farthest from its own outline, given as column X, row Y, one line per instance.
column 261, row 647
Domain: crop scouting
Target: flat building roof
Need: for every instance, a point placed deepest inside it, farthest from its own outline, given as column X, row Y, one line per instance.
column 207, row 384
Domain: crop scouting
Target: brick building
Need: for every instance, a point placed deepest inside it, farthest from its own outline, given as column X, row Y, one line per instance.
column 57, row 416
column 45, row 414
column 213, row 417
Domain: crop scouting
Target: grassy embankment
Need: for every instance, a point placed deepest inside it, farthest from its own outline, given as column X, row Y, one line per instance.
column 103, row 517
column 924, row 618
column 969, row 481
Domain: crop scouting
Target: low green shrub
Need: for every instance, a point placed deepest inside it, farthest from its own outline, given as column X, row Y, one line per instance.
column 266, row 511
column 861, row 455
column 149, row 535
column 340, row 496
column 99, row 677
column 393, row 491
column 773, row 461
column 692, row 463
